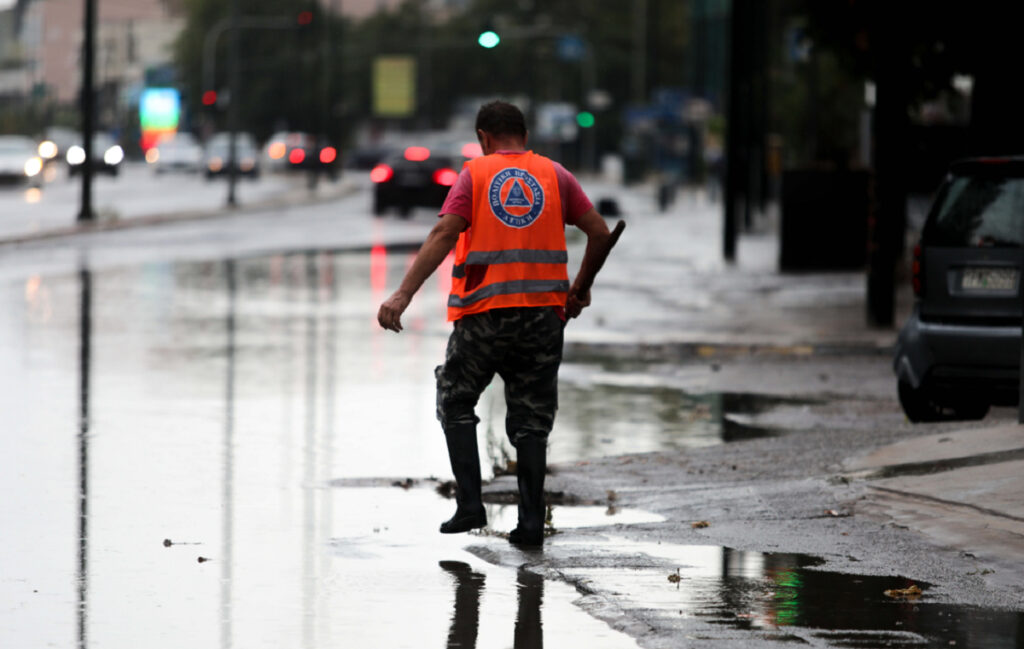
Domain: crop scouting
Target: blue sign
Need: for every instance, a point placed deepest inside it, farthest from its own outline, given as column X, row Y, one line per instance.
column 510, row 197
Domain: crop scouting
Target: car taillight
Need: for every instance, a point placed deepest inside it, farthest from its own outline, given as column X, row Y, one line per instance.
column 446, row 177
column 296, row 156
column 328, row 154
column 381, row 173
column 915, row 271
column 417, row 153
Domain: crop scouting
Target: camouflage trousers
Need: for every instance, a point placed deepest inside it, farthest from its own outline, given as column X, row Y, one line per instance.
column 522, row 345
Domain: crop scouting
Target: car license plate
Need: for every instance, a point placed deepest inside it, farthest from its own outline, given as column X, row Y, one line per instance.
column 989, row 279
column 411, row 179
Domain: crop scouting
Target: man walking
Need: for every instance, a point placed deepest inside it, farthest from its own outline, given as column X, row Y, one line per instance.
column 506, row 217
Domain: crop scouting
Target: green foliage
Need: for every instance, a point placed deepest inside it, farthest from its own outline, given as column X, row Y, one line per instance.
column 319, row 78
column 284, row 81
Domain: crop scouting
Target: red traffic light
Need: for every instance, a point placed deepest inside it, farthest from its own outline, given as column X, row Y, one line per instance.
column 305, row 17
column 209, row 98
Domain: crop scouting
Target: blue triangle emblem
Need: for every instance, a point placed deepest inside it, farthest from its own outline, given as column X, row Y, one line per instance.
column 516, row 196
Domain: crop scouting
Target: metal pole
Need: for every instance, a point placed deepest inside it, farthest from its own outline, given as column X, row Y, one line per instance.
column 88, row 100
column 234, row 96
column 1020, row 374
column 639, row 76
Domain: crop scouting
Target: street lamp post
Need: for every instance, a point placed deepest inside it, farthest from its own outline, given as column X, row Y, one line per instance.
column 88, row 100
column 233, row 22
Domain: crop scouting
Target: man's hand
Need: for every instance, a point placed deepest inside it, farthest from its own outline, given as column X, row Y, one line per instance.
column 439, row 243
column 575, row 303
column 390, row 313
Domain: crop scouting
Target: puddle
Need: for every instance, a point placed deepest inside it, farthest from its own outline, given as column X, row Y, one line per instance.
column 605, row 414
column 387, row 556
column 784, row 595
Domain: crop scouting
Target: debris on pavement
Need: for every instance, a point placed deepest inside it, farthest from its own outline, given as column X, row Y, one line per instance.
column 910, row 592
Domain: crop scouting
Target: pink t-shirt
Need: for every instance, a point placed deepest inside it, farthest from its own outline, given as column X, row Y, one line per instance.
column 574, row 202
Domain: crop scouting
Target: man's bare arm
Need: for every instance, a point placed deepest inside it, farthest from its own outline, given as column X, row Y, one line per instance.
column 439, row 243
column 594, row 226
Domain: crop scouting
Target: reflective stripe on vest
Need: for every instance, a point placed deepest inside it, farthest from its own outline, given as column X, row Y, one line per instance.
column 508, row 288
column 520, row 255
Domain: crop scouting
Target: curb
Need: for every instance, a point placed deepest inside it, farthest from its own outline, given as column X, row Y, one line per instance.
column 685, row 351
column 293, row 197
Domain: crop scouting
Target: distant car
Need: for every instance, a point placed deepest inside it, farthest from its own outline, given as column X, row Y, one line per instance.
column 366, row 157
column 215, row 162
column 19, row 160
column 959, row 352
column 295, row 151
column 56, row 141
column 179, row 153
column 414, row 178
column 107, row 155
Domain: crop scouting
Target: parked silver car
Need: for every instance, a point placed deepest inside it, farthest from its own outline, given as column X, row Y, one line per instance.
column 179, row 153
column 19, row 162
column 959, row 352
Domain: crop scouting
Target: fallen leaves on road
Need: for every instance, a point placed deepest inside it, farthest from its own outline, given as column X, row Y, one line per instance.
column 699, row 525
column 910, row 592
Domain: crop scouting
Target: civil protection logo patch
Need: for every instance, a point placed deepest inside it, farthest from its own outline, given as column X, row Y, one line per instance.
column 515, row 197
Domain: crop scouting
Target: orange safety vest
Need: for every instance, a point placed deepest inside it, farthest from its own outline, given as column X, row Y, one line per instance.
column 513, row 254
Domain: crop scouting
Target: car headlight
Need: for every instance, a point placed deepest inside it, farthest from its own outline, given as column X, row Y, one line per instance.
column 33, row 166
column 76, row 155
column 215, row 164
column 47, row 150
column 247, row 164
column 114, row 155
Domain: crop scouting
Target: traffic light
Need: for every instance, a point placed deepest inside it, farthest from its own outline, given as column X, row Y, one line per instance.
column 585, row 119
column 305, row 18
column 210, row 98
column 488, row 38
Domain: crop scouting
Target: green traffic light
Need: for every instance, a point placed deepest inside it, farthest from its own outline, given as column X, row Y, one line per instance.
column 585, row 119
column 488, row 39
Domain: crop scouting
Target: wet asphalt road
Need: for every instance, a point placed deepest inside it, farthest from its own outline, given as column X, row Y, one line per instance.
column 205, row 428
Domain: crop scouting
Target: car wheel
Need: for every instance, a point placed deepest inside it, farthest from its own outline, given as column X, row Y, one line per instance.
column 918, row 404
column 378, row 205
column 970, row 411
column 404, row 210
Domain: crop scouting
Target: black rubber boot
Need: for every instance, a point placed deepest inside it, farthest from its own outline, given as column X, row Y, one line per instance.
column 531, row 463
column 465, row 460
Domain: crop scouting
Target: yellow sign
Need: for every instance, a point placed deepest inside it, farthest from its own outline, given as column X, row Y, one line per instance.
column 394, row 86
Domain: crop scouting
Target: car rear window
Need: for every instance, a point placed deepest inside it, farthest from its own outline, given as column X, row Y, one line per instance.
column 983, row 210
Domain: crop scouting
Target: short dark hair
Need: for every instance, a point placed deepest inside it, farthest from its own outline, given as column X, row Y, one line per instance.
column 501, row 118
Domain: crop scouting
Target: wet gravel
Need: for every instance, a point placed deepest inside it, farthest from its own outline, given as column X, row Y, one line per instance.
column 781, row 493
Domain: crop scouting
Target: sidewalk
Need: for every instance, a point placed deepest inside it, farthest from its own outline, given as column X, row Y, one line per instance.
column 961, row 489
column 666, row 284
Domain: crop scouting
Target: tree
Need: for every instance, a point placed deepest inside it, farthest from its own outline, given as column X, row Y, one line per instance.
column 283, row 54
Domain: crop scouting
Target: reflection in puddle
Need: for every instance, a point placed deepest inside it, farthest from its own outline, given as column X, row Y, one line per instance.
column 505, row 517
column 784, row 593
column 387, row 556
column 601, row 413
